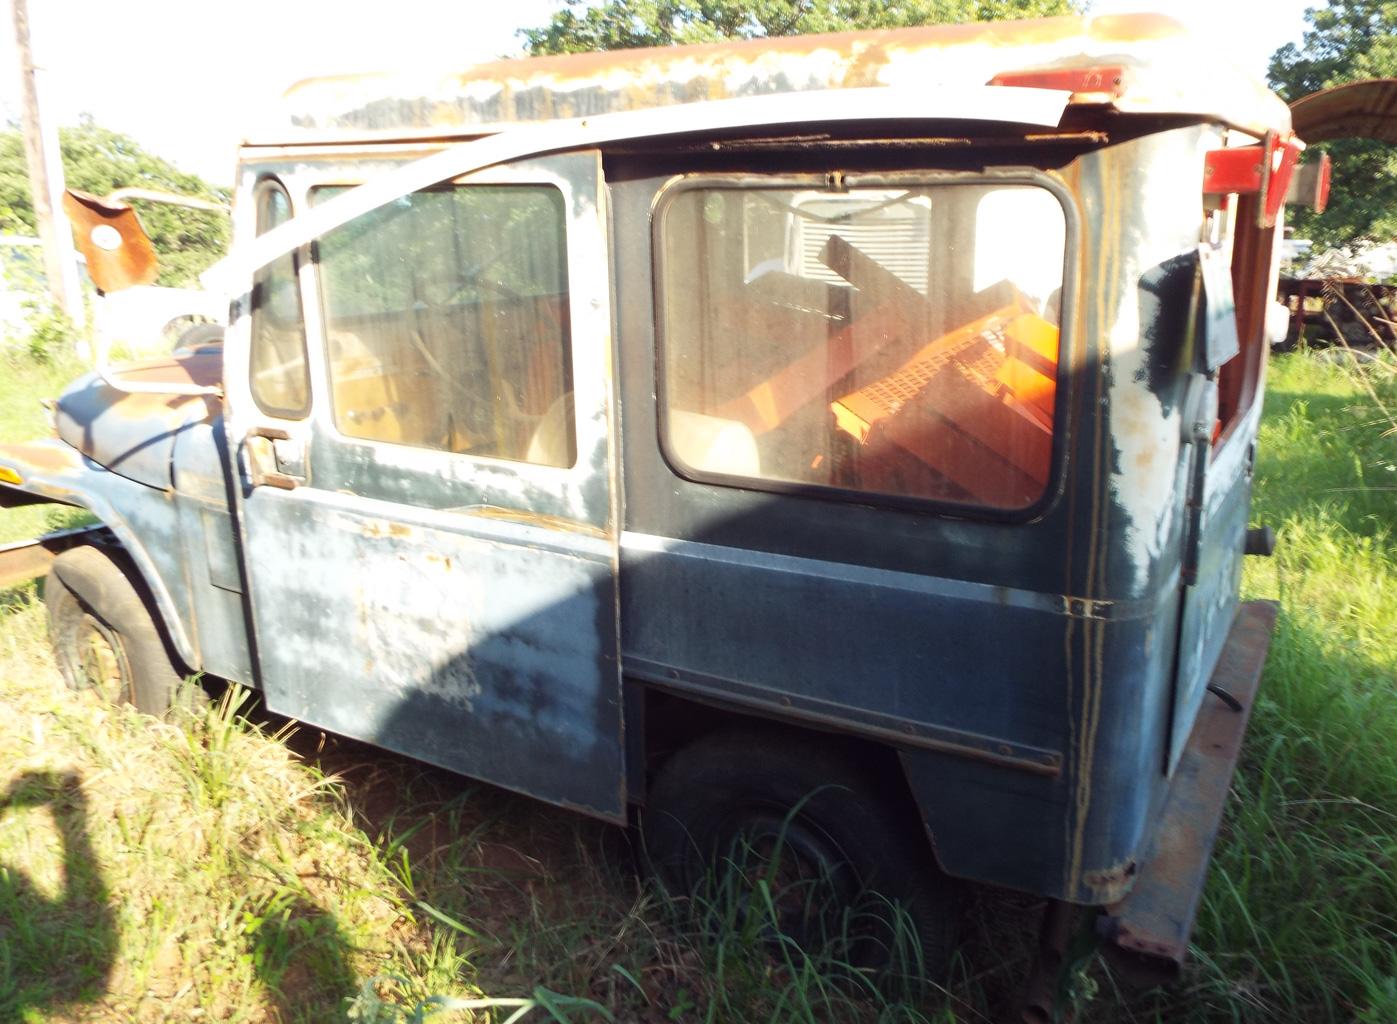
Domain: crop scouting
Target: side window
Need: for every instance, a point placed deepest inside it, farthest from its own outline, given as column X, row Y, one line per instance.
column 446, row 318
column 897, row 341
column 277, row 366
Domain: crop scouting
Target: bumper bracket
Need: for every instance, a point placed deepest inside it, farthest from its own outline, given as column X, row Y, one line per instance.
column 1147, row 932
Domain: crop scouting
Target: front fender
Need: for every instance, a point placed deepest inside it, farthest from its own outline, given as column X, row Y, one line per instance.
column 142, row 518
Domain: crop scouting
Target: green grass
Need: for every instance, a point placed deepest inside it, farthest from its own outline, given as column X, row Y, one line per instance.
column 1299, row 919
column 214, row 870
column 1301, row 913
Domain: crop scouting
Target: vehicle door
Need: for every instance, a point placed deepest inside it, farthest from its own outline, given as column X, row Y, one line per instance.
column 427, row 510
column 1221, row 418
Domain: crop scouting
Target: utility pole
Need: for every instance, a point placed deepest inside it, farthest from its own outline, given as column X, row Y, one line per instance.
column 38, row 170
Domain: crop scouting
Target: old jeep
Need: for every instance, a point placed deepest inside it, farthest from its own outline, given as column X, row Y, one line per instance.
column 840, row 443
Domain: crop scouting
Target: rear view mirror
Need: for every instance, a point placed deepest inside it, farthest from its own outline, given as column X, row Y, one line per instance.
column 109, row 235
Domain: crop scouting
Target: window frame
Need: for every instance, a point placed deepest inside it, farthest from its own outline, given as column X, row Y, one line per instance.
column 848, row 181
column 330, row 418
column 265, row 185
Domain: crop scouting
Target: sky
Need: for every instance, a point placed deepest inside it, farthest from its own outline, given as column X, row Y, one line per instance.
column 186, row 77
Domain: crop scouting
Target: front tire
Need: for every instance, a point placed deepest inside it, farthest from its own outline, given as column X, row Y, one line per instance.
column 836, row 853
column 105, row 638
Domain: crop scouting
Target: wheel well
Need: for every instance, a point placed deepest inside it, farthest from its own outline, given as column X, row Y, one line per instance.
column 105, row 541
column 672, row 722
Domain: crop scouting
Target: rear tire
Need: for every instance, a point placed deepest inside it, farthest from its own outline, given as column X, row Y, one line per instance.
column 845, row 851
column 105, row 638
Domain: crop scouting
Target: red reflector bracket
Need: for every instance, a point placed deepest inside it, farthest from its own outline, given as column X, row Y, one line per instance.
column 1233, row 170
column 1264, row 169
column 1087, row 85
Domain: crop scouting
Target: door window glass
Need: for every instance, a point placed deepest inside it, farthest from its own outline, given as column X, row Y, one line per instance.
column 279, row 376
column 446, row 316
column 898, row 341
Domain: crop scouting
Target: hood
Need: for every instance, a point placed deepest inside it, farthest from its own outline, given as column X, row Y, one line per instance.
column 134, row 434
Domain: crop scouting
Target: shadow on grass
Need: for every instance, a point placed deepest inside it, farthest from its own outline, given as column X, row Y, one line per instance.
column 301, row 958
column 55, row 952
column 556, row 898
column 296, row 947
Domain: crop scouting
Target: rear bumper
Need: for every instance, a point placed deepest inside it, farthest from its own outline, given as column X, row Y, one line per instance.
column 1147, row 931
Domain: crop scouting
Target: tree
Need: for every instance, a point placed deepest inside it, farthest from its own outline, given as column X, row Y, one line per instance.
column 582, row 26
column 1347, row 41
column 97, row 160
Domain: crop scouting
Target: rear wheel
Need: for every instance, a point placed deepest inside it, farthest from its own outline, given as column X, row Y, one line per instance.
column 845, row 871
column 104, row 637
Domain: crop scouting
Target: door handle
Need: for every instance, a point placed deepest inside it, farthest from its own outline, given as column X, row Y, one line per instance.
column 258, row 476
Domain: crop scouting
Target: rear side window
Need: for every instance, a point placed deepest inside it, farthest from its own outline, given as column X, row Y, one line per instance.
column 897, row 341
column 446, row 318
column 280, row 379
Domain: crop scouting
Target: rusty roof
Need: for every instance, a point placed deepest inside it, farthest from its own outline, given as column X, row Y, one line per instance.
column 1364, row 110
column 1167, row 70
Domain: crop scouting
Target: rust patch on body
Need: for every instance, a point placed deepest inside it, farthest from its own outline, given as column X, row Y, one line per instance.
column 859, row 52
column 45, row 457
column 539, row 519
column 489, row 96
column 385, row 528
column 201, row 368
column 1155, row 919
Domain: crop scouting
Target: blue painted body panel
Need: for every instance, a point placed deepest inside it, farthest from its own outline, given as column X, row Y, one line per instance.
column 1211, row 602
column 210, row 548
column 457, row 608
column 1051, row 643
column 471, row 643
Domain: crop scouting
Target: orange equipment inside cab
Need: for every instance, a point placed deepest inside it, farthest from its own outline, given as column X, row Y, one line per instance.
column 975, row 405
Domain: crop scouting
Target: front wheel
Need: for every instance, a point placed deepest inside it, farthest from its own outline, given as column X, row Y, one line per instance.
column 104, row 637
column 807, row 828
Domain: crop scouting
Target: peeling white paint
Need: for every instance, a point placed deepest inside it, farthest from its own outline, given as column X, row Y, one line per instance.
column 1144, row 477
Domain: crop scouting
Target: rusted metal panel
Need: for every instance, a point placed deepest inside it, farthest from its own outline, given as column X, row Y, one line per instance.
column 23, row 561
column 1360, row 110
column 1056, row 634
column 1154, row 921
column 1162, row 57
column 1038, row 107
column 27, row 559
column 112, row 241
column 208, row 542
column 164, row 498
column 1211, row 594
